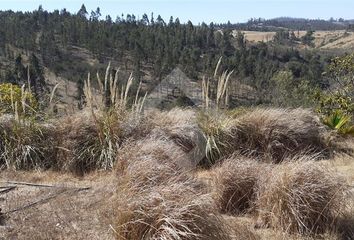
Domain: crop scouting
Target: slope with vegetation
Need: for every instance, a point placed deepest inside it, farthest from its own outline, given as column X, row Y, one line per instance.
column 209, row 173
column 71, row 44
column 115, row 170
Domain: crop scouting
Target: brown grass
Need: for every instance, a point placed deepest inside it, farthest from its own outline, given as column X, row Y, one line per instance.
column 301, row 196
column 236, row 184
column 182, row 127
column 278, row 133
column 169, row 212
column 272, row 134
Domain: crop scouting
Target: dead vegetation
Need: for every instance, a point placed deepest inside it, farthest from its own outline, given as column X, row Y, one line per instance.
column 272, row 134
column 264, row 166
column 301, row 196
column 236, row 184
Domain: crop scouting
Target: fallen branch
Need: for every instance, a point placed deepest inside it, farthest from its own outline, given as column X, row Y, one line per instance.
column 7, row 189
column 30, row 184
column 44, row 200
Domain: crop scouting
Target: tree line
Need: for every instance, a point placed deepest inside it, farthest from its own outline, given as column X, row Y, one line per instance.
column 159, row 45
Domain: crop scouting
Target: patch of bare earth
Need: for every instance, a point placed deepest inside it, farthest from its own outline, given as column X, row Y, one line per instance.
column 59, row 207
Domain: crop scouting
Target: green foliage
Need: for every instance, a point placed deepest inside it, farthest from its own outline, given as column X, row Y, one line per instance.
column 337, row 105
column 308, row 38
column 340, row 122
column 340, row 96
column 289, row 92
column 13, row 98
column 329, row 104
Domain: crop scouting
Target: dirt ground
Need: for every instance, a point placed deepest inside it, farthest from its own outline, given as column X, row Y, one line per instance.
column 71, row 208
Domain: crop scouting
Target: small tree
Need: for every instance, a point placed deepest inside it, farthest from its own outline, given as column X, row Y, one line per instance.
column 308, row 38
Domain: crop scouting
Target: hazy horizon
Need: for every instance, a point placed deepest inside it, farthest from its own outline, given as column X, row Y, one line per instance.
column 198, row 11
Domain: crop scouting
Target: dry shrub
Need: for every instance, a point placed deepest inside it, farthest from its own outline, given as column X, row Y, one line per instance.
column 169, row 212
column 236, row 184
column 300, row 196
column 278, row 133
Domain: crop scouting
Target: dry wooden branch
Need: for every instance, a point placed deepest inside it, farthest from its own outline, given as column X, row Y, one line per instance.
column 46, row 199
column 7, row 189
column 30, row 184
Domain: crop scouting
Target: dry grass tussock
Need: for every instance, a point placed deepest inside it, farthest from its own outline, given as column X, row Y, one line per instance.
column 301, row 196
column 88, row 142
column 272, row 134
column 176, row 211
column 27, row 144
column 236, row 184
column 181, row 126
column 151, row 162
column 278, row 133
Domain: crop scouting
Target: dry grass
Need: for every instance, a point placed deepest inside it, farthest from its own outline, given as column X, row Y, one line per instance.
column 169, row 212
column 70, row 215
column 236, row 184
column 278, row 133
column 26, row 144
column 181, row 126
column 272, row 134
column 301, row 196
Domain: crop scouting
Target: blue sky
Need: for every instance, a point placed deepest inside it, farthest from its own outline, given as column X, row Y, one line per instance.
column 199, row 10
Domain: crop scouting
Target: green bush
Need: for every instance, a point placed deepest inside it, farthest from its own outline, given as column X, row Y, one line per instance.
column 12, row 95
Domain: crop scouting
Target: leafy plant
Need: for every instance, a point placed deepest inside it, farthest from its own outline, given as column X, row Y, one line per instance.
column 340, row 122
column 14, row 99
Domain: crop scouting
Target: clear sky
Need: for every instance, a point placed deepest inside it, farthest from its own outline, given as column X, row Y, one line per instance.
column 199, row 10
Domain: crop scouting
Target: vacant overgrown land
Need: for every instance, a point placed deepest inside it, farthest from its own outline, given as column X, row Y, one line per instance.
column 204, row 132
column 209, row 173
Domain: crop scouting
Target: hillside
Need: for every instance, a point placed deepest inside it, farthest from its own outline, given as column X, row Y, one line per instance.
column 335, row 40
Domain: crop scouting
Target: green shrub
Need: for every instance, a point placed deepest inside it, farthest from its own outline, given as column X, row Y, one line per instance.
column 340, row 122
column 12, row 95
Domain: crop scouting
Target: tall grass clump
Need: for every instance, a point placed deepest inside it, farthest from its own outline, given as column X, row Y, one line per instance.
column 278, row 133
column 181, row 126
column 236, row 184
column 270, row 134
column 27, row 144
column 217, row 131
column 92, row 137
column 176, row 211
column 301, row 196
column 152, row 161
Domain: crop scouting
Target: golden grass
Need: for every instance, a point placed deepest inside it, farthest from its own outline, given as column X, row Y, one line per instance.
column 301, row 196
column 236, row 184
column 270, row 133
column 175, row 211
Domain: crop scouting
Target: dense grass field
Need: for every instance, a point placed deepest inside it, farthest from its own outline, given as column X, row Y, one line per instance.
column 256, row 173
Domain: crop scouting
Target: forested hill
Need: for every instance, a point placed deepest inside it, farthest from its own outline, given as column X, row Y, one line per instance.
column 71, row 44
